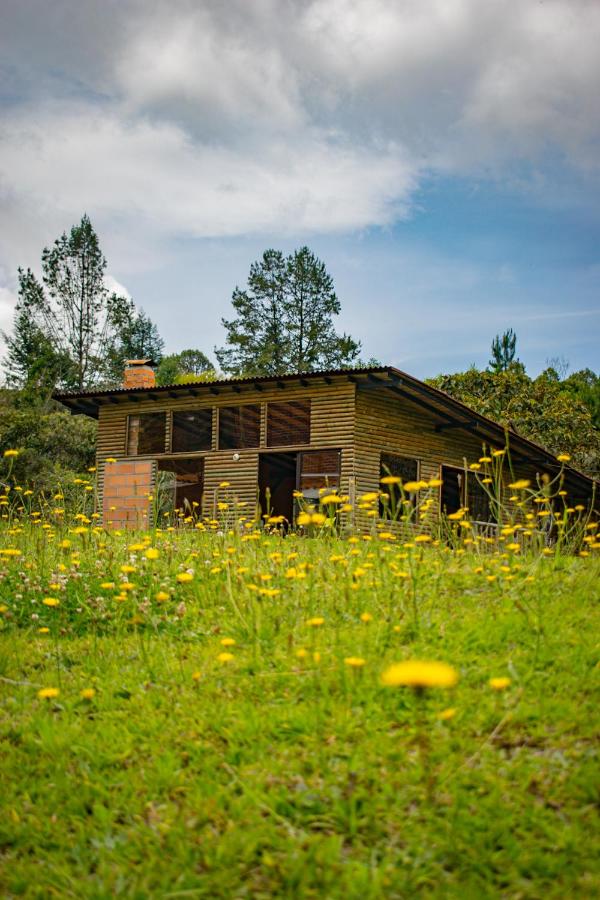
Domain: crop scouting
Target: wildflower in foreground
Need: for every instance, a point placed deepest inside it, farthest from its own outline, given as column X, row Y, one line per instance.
column 225, row 657
column 315, row 622
column 50, row 601
column 184, row 577
column 355, row 662
column 499, row 684
column 447, row 714
column 420, row 674
column 87, row 693
column 48, row 693
column 227, row 642
column 9, row 453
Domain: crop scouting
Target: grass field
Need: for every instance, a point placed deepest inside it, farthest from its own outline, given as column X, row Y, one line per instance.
column 217, row 725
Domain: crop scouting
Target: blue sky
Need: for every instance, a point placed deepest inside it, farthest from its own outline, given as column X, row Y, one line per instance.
column 441, row 158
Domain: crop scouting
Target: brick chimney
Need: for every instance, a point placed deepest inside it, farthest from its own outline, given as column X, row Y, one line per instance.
column 139, row 374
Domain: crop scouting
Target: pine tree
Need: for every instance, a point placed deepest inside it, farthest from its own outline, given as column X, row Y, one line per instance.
column 503, row 352
column 136, row 337
column 32, row 364
column 284, row 321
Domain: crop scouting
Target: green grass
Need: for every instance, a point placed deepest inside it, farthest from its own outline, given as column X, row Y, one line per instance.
column 278, row 774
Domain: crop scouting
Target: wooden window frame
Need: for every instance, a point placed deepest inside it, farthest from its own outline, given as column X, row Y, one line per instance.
column 256, row 405
column 305, row 402
column 175, row 412
column 138, row 415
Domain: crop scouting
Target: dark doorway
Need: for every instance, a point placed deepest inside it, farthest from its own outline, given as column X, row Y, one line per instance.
column 277, row 479
column 452, row 489
column 181, row 482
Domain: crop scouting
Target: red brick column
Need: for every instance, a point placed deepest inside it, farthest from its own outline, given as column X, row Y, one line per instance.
column 127, row 484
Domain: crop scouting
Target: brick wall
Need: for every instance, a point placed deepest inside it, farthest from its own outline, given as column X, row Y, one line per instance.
column 127, row 484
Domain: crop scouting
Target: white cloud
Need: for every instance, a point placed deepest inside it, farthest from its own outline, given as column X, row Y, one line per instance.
column 172, row 119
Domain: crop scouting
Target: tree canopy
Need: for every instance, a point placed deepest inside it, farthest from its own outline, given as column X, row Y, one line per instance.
column 545, row 409
column 284, row 319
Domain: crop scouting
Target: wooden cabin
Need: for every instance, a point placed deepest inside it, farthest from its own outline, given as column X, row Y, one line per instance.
column 292, row 433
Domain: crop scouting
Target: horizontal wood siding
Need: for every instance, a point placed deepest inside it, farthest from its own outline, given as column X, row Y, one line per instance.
column 332, row 426
column 387, row 422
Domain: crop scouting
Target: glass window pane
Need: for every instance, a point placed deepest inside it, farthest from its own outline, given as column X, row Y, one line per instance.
column 192, row 430
column 239, row 427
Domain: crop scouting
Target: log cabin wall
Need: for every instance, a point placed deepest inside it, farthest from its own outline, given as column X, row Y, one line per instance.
column 332, row 427
column 388, row 423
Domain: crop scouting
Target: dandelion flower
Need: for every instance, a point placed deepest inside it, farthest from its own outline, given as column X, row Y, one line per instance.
column 9, row 453
column 50, row 601
column 355, row 662
column 184, row 577
column 152, row 553
column 315, row 621
column 87, row 693
column 499, row 684
column 227, row 642
column 225, row 657
column 196, row 676
column 447, row 714
column 366, row 617
column 48, row 693
column 420, row 674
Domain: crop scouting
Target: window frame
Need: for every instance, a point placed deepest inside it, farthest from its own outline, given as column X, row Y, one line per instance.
column 179, row 412
column 304, row 402
column 139, row 415
column 257, row 445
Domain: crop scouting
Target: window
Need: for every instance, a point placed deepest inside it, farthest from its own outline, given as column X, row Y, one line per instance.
column 462, row 489
column 192, row 430
column 239, row 427
column 403, row 467
column 146, row 434
column 288, row 423
column 319, row 469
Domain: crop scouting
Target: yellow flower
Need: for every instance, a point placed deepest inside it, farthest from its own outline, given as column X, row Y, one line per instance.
column 315, row 621
column 43, row 630
column 447, row 714
column 110, row 459
column 366, row 617
column 196, row 676
column 225, row 657
column 152, row 553
column 87, row 693
column 9, row 453
column 562, row 457
column 107, row 585
column 227, row 642
column 498, row 452
column 225, row 484
column 420, row 674
column 161, row 596
column 370, row 497
column 184, row 577
column 520, row 485
column 435, row 482
column 423, row 539
column 50, row 601
column 499, row 684
column 317, row 519
column 301, row 653
column 48, row 693
column 355, row 662
column 390, row 479
column 303, row 519
column 330, row 499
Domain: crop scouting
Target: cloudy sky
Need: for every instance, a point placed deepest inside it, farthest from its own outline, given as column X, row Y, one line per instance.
column 441, row 156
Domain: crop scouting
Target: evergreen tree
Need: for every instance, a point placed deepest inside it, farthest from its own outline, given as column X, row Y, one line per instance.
column 32, row 364
column 136, row 337
column 503, row 352
column 284, row 319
